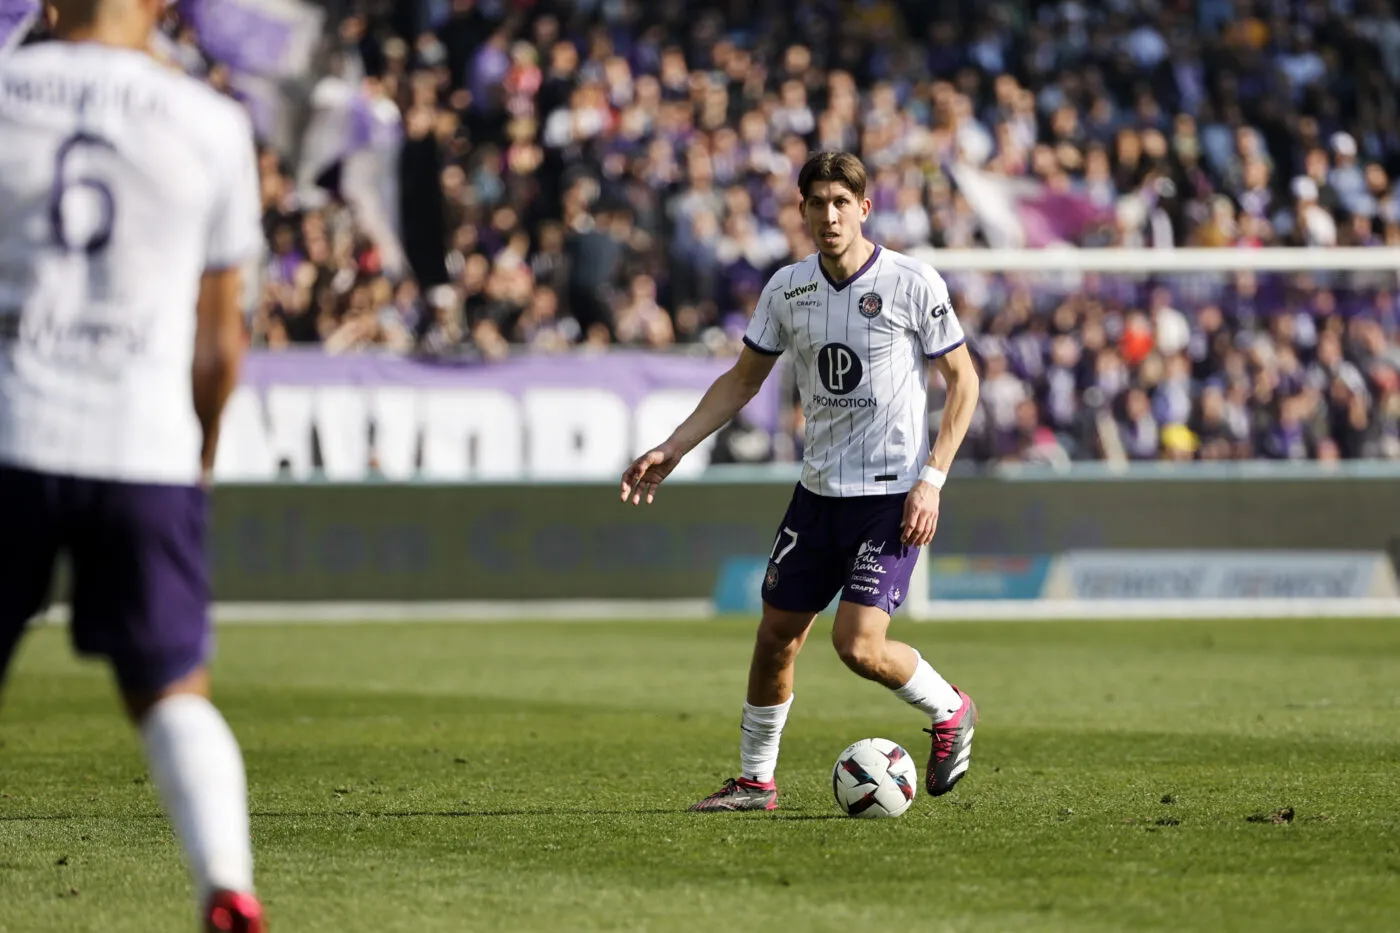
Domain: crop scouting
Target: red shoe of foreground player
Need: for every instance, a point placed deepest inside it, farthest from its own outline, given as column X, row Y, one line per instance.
column 234, row 913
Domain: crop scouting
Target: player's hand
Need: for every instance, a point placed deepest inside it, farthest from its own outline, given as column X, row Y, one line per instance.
column 647, row 472
column 920, row 515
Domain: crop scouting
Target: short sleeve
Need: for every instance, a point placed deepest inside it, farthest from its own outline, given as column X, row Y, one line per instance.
column 235, row 233
column 938, row 326
column 765, row 333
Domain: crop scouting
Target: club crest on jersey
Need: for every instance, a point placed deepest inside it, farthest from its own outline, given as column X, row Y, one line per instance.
column 870, row 304
column 800, row 290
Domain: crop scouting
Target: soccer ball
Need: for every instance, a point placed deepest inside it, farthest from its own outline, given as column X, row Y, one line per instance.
column 874, row 777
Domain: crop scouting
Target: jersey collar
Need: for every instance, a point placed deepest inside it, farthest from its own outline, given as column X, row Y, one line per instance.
column 837, row 286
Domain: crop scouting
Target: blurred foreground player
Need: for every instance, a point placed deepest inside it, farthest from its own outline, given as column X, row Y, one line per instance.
column 859, row 322
column 128, row 202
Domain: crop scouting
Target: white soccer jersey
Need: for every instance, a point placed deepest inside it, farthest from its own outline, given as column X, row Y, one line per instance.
column 121, row 183
column 859, row 350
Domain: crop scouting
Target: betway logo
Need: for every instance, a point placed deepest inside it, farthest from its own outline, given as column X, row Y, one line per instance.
column 800, row 290
column 826, row 401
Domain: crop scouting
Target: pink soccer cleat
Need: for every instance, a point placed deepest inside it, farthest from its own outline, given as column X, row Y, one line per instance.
column 741, row 794
column 951, row 755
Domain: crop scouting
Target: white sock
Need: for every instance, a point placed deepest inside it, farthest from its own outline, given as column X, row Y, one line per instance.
column 196, row 764
column 760, row 733
column 930, row 692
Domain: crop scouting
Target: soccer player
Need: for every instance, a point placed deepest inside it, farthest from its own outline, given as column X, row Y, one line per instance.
column 859, row 323
column 128, row 203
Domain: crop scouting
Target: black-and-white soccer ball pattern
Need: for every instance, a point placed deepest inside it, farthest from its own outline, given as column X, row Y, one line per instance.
column 874, row 778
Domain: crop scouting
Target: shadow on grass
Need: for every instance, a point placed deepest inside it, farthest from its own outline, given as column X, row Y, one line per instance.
column 346, row 814
column 589, row 811
column 420, row 814
column 543, row 811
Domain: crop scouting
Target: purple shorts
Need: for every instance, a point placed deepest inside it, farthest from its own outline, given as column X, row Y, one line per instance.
column 140, row 585
column 829, row 545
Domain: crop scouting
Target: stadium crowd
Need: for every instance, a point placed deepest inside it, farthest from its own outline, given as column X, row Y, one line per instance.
column 612, row 172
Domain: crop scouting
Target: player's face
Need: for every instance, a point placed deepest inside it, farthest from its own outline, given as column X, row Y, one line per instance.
column 834, row 215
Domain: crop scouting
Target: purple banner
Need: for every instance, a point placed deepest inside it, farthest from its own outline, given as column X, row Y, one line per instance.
column 575, row 417
column 630, row 375
column 271, row 38
column 15, row 19
column 263, row 101
column 1051, row 217
column 1019, row 213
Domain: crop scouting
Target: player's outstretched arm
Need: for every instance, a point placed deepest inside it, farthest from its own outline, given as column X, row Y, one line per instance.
column 218, row 350
column 922, row 506
column 725, row 398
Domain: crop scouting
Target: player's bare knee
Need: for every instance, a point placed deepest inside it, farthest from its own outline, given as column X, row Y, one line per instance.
column 781, row 632
column 859, row 637
column 858, row 651
column 778, row 644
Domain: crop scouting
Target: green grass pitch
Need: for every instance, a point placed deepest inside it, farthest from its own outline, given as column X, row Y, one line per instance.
column 517, row 777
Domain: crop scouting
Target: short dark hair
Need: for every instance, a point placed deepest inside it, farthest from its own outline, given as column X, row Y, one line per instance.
column 840, row 167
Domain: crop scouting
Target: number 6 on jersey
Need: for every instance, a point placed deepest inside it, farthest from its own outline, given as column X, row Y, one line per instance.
column 100, row 233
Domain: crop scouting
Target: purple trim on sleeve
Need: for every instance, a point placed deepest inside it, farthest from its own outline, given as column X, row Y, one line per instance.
column 946, row 350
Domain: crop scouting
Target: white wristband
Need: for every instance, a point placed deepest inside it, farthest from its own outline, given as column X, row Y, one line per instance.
column 933, row 476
